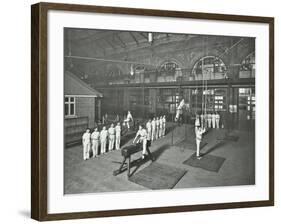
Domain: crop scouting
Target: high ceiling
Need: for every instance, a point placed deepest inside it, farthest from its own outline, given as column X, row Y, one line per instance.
column 106, row 42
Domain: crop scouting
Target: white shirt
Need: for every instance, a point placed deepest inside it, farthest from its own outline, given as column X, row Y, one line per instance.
column 129, row 117
column 217, row 116
column 142, row 133
column 161, row 122
column 118, row 130
column 153, row 124
column 111, row 131
column 148, row 126
column 103, row 134
column 95, row 135
column 86, row 138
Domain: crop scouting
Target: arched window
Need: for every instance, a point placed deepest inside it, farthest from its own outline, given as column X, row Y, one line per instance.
column 247, row 68
column 209, row 67
column 169, row 71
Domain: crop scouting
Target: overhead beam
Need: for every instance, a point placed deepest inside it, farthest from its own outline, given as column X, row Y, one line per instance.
column 134, row 38
column 120, row 40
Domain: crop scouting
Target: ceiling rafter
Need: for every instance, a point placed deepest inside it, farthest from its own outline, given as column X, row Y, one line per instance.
column 120, row 40
column 134, row 38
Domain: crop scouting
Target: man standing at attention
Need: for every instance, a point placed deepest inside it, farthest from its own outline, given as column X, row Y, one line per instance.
column 213, row 120
column 86, row 140
column 149, row 129
column 164, row 125
column 160, row 127
column 95, row 142
column 198, row 132
column 157, row 128
column 153, row 129
column 217, row 120
column 118, row 136
column 111, row 133
column 103, row 139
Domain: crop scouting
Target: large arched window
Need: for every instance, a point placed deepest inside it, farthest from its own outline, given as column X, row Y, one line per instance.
column 209, row 67
column 247, row 68
column 169, row 71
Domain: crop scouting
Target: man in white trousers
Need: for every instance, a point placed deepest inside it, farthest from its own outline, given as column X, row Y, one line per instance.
column 86, row 140
column 153, row 129
column 198, row 132
column 164, row 125
column 103, row 139
column 217, row 120
column 95, row 137
column 142, row 134
column 111, row 137
column 117, row 136
column 149, row 129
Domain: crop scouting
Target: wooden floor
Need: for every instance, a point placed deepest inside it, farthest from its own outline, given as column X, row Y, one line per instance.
column 95, row 175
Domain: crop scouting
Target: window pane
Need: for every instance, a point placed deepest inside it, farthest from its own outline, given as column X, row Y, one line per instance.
column 71, row 99
column 66, row 99
column 71, row 109
column 66, row 109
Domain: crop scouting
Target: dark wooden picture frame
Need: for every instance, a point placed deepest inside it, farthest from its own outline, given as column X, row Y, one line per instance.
column 39, row 148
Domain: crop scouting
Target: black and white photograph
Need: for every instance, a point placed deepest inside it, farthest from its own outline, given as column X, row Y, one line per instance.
column 152, row 111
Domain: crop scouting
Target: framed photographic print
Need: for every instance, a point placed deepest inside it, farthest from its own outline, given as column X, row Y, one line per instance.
column 139, row 111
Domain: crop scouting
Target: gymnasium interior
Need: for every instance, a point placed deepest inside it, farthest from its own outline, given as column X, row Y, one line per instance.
column 110, row 72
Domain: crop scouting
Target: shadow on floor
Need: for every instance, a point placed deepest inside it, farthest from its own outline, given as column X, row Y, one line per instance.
column 214, row 147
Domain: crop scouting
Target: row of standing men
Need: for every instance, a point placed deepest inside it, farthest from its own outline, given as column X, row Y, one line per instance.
column 210, row 120
column 112, row 137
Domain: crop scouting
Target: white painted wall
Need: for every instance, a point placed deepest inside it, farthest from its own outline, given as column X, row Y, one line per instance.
column 15, row 111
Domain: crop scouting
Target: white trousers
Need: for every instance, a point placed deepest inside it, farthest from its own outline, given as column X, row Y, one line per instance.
column 86, row 150
column 118, row 140
column 218, row 123
column 103, row 146
column 153, row 132
column 209, row 123
column 144, row 142
column 198, row 147
column 214, row 123
column 95, row 146
column 111, row 142
column 157, row 133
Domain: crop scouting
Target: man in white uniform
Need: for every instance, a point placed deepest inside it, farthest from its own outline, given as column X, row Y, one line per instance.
column 118, row 136
column 198, row 132
column 142, row 134
column 209, row 117
column 86, row 140
column 149, row 129
column 153, row 129
column 160, row 127
column 95, row 136
column 217, row 120
column 111, row 134
column 103, row 139
column 157, row 128
column 128, row 119
column 214, row 120
column 164, row 126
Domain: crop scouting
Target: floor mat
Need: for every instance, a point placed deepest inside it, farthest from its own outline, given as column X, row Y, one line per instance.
column 233, row 138
column 185, row 144
column 207, row 162
column 158, row 176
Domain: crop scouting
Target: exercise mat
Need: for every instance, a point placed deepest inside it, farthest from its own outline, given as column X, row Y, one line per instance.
column 188, row 144
column 158, row 176
column 207, row 162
